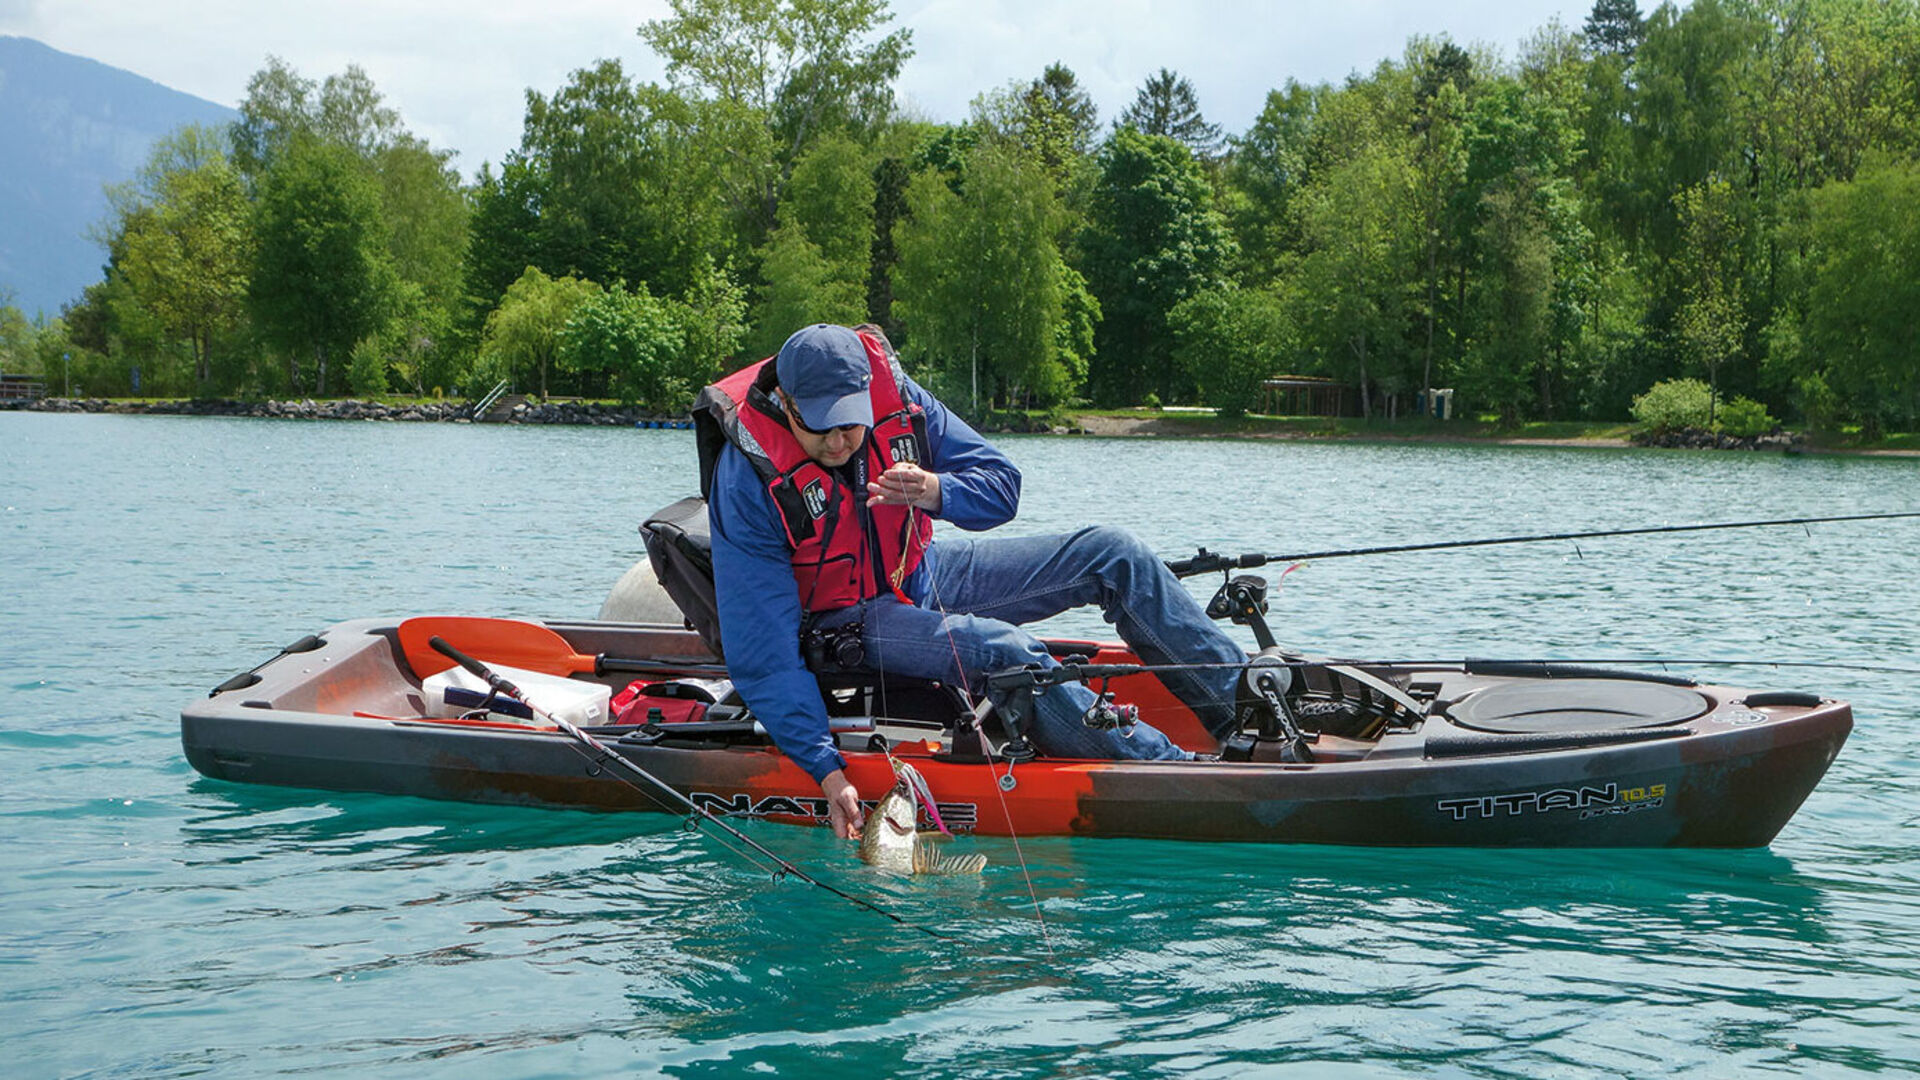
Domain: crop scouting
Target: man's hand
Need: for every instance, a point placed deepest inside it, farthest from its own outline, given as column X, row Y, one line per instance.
column 843, row 805
column 906, row 484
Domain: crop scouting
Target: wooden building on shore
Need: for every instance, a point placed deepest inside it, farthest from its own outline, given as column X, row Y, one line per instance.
column 1308, row 395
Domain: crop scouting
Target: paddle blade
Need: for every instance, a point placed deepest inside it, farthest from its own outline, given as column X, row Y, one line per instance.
column 510, row 642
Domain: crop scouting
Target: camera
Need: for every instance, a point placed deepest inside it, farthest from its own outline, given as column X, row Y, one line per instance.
column 832, row 649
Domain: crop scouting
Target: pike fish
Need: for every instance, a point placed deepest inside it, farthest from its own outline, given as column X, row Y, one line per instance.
column 891, row 839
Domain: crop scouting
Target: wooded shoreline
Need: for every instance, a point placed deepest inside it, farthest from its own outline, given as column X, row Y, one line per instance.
column 1108, row 424
column 1713, row 195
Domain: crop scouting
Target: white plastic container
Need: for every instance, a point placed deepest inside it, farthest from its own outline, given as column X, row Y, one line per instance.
column 458, row 692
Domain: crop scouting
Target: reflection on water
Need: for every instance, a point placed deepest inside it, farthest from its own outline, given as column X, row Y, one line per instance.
column 156, row 923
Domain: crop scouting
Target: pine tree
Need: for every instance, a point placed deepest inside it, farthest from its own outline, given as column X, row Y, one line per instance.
column 1166, row 105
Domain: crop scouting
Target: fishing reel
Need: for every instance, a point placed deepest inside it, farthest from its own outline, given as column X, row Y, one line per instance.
column 1104, row 715
column 1265, row 702
column 1243, row 601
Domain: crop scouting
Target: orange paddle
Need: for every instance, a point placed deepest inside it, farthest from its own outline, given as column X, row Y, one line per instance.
column 514, row 643
column 524, row 645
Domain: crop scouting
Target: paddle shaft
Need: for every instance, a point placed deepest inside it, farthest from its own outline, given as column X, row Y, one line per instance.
column 1207, row 561
column 604, row 663
column 514, row 643
column 607, row 755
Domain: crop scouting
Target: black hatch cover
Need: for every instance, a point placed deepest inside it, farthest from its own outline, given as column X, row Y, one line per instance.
column 1551, row 705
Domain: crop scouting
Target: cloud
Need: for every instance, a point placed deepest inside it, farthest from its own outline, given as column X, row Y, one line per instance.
column 458, row 70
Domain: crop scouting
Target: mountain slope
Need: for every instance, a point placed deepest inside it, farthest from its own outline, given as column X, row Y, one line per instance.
column 69, row 126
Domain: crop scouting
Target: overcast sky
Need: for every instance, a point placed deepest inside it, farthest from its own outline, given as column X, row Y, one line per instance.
column 458, row 70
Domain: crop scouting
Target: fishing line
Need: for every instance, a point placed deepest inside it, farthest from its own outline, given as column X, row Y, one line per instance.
column 897, row 580
column 607, row 755
column 999, row 785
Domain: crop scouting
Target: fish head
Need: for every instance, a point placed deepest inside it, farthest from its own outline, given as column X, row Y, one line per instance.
column 891, row 837
column 892, row 829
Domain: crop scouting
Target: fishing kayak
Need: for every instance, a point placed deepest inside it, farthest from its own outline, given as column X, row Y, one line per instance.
column 1471, row 754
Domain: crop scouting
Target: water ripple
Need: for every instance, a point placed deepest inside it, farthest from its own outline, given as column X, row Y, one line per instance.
column 158, row 924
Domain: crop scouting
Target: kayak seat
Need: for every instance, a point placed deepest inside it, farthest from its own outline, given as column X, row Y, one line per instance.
column 856, row 693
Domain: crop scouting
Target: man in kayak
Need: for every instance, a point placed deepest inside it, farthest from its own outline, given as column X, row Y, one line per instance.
column 824, row 467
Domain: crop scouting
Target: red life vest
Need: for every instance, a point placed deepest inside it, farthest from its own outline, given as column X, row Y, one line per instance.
column 824, row 518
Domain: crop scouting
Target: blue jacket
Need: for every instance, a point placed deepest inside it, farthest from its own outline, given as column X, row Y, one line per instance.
column 760, row 603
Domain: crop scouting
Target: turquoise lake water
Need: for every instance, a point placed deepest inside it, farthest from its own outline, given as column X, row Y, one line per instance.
column 154, row 923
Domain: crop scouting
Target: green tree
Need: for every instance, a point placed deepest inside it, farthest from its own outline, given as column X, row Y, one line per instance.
column 1152, row 238
column 712, row 318
column 1691, row 75
column 131, row 348
column 1615, row 28
column 1515, row 294
column 803, row 287
column 422, row 204
column 1709, row 322
column 1865, row 289
column 781, row 73
column 818, row 261
column 890, row 178
column 1355, row 281
column 1608, row 171
column 1055, row 119
column 1269, row 167
column 278, row 106
column 367, row 369
column 981, row 285
column 322, row 277
column 632, row 340
column 1166, row 105
column 503, row 235
column 1529, row 255
column 1439, row 168
column 1230, row 340
column 282, row 107
column 615, row 179
column 525, row 332
column 16, row 337
column 183, row 242
column 426, row 210
column 831, row 197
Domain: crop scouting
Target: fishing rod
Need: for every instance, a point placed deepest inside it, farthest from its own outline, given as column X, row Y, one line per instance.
column 1070, row 670
column 602, row 754
column 1209, row 561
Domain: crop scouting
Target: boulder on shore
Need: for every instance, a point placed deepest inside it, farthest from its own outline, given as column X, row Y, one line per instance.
column 1778, row 440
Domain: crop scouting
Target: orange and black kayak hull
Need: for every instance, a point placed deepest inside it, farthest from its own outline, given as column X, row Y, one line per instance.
column 345, row 715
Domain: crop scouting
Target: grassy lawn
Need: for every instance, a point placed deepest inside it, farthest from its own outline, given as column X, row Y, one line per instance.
column 1848, row 438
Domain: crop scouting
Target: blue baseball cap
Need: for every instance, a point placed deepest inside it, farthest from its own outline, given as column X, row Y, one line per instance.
column 824, row 369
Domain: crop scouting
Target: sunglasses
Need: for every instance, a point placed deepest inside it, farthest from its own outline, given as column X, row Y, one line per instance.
column 794, row 415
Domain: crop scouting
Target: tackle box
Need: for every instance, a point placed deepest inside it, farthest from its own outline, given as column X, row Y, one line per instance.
column 457, row 692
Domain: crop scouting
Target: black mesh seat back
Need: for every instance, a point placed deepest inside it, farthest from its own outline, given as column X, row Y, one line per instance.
column 680, row 547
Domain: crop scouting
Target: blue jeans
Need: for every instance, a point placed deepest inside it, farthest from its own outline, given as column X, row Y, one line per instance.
column 978, row 593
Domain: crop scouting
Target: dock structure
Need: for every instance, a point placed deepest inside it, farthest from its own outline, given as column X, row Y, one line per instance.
column 22, row 388
column 1308, row 395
